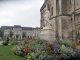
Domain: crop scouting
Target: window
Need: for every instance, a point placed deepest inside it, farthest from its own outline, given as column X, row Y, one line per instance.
column 52, row 11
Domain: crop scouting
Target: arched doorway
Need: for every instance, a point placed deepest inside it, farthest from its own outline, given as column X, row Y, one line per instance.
column 17, row 36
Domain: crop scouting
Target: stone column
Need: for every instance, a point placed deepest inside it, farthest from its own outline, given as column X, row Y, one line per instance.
column 60, row 6
column 73, row 20
column 60, row 28
column 54, row 8
column 74, row 29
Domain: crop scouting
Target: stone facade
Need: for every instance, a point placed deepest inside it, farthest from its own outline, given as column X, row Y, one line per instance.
column 36, row 32
column 64, row 18
column 18, row 30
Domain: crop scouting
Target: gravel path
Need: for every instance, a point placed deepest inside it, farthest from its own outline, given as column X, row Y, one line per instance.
column 1, row 42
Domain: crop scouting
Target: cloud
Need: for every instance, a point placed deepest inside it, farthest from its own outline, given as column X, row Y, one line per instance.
column 24, row 13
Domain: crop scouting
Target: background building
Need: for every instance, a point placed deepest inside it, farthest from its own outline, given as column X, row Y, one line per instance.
column 36, row 32
column 64, row 18
column 18, row 30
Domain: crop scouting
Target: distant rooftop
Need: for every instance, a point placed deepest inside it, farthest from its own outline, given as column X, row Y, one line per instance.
column 16, row 26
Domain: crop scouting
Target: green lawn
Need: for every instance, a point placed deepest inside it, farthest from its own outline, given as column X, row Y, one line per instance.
column 7, row 54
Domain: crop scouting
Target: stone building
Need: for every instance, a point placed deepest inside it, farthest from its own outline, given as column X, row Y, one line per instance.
column 64, row 18
column 36, row 32
column 18, row 30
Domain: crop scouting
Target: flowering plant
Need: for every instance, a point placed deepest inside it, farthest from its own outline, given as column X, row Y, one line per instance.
column 56, row 47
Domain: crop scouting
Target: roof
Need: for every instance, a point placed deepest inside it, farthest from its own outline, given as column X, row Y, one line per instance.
column 35, row 28
column 17, row 26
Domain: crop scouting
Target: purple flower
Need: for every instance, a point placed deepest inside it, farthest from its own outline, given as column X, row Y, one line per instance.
column 56, row 47
column 76, row 51
column 54, row 43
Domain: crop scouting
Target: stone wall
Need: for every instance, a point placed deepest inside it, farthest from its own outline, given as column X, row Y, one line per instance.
column 61, row 19
column 66, row 27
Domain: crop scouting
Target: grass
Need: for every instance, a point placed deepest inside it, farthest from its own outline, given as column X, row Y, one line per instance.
column 7, row 54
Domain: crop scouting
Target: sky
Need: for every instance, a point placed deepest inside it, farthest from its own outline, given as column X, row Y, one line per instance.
column 20, row 12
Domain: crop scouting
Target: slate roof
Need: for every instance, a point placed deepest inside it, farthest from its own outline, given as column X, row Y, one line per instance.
column 16, row 26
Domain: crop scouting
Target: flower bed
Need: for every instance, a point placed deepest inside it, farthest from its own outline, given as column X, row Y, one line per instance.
column 37, row 49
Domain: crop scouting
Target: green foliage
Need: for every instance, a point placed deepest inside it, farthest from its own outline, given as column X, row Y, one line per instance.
column 1, row 32
column 30, row 56
column 67, row 52
column 64, row 56
column 37, row 54
column 6, row 42
column 64, row 42
column 78, row 47
column 49, row 57
column 68, row 43
column 73, row 43
column 58, row 41
column 36, row 49
column 11, row 34
column 20, row 53
column 62, row 48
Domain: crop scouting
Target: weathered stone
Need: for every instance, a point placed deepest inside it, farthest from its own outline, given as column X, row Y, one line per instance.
column 65, row 20
column 47, row 34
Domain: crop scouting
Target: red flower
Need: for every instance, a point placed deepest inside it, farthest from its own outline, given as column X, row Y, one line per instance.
column 24, row 51
column 73, row 46
column 41, row 49
column 28, row 52
column 49, row 49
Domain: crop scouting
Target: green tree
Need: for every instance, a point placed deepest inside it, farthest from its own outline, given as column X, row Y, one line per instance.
column 24, row 34
column 11, row 34
column 1, row 33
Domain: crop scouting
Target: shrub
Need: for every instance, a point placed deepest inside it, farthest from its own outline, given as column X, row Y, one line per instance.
column 68, row 43
column 59, row 41
column 6, row 42
column 36, row 49
column 55, row 47
column 67, row 53
column 78, row 47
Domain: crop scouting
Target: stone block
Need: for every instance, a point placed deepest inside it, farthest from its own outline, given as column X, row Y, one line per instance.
column 47, row 34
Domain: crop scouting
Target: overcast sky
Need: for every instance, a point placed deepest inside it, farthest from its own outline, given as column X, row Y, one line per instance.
column 20, row 12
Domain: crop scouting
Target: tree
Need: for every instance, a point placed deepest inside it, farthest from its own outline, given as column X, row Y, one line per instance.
column 11, row 34
column 24, row 34
column 1, row 33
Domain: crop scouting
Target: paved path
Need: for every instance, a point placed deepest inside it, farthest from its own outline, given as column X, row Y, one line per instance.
column 1, row 42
